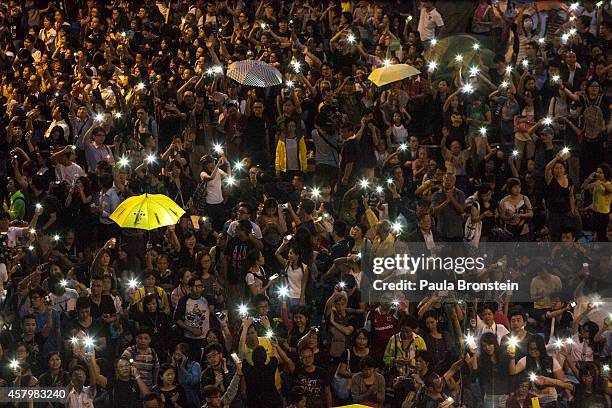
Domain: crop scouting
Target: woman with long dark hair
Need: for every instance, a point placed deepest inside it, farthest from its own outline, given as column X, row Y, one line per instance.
column 544, row 371
column 256, row 279
column 492, row 371
column 439, row 343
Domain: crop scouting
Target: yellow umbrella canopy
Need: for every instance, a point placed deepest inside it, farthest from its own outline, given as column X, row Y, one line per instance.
column 392, row 73
column 147, row 212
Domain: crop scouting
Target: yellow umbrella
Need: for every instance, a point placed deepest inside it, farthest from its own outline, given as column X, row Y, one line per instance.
column 147, row 212
column 392, row 73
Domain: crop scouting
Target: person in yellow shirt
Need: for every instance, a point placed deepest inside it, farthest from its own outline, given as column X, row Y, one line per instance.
column 600, row 186
column 401, row 349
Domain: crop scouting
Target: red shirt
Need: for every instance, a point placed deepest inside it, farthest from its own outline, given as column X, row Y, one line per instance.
column 382, row 327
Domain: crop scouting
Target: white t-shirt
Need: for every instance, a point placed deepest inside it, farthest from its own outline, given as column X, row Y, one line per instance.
column 499, row 330
column 69, row 173
column 231, row 230
column 251, row 279
column 292, row 154
column 214, row 193
column 428, row 22
column 66, row 302
column 294, row 280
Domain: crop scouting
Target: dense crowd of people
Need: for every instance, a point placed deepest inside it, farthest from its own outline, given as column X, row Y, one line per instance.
column 259, row 296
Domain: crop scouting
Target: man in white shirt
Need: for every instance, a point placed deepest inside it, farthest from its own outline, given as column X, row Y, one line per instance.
column 486, row 323
column 79, row 395
column 430, row 21
column 65, row 169
column 244, row 213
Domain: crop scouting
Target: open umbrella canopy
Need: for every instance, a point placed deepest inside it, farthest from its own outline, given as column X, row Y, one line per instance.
column 254, row 73
column 392, row 73
column 147, row 212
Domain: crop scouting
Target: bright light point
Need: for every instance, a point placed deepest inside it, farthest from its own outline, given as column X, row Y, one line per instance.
column 395, row 302
column 209, row 71
column 99, row 117
column 569, row 340
column 239, row 165
column 290, row 83
column 508, row 69
column 513, row 341
column 474, row 71
column 574, row 6
column 364, row 183
column 606, row 368
column 565, row 150
column 150, row 158
column 31, row 247
column 359, row 255
column 525, row 63
column 140, row 86
column 123, row 162
column 504, row 84
column 263, row 26
column 133, row 283
column 88, row 342
column 572, row 18
column 74, row 340
column 38, row 206
column 117, row 115
column 565, row 37
column 378, row 189
column 599, row 3
column 409, row 18
column 396, row 227
column 389, row 181
column 64, row 282
column 123, row 34
column 14, row 364
column 316, row 192
column 483, row 131
column 296, row 66
column 434, row 41
column 217, row 148
column 533, row 377
column 351, row 38
column 283, row 291
column 459, row 58
column 230, row 180
column 56, row 237
column 555, row 78
column 342, row 284
column 559, row 343
column 243, row 310
column 573, row 31
column 387, row 62
column 476, row 46
column 32, row 231
column 515, row 153
column 547, row 120
column 467, row 88
column 432, row 66
column 269, row 334
column 470, row 340
column 217, row 69
column 541, row 40
column 402, row 147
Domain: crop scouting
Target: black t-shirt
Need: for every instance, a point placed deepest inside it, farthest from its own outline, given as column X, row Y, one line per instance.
column 236, row 252
column 106, row 306
column 350, row 154
column 314, row 384
column 254, row 133
column 123, row 393
column 260, row 386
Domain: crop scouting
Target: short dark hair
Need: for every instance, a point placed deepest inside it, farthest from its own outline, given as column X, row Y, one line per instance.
column 307, row 205
column 213, row 347
column 210, row 391
column 245, row 225
column 82, row 303
column 153, row 396
column 517, row 311
column 340, row 228
column 193, row 280
column 260, row 297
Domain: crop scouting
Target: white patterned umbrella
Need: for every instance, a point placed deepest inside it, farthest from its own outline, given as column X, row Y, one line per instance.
column 254, row 73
